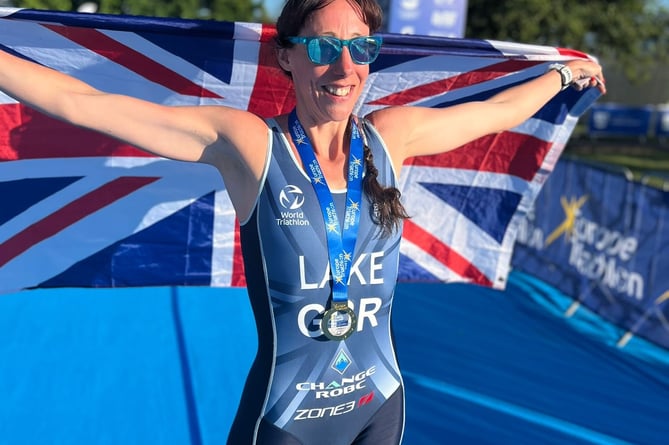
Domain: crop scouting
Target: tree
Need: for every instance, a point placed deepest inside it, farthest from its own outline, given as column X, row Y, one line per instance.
column 633, row 34
column 57, row 5
column 231, row 10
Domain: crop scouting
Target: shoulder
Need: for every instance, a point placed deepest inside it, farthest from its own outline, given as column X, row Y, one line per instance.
column 393, row 125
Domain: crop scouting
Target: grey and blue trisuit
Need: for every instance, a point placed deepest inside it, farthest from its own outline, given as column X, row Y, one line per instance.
column 304, row 388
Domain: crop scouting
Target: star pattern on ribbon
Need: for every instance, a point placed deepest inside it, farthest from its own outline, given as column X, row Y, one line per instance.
column 332, row 227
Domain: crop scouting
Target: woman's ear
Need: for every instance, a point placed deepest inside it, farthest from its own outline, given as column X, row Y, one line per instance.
column 282, row 56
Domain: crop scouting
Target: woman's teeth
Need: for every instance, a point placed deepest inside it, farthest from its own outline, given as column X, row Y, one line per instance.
column 341, row 91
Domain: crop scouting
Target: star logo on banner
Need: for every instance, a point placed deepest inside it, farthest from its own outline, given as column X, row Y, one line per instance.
column 346, row 255
column 355, row 205
column 662, row 298
column 571, row 209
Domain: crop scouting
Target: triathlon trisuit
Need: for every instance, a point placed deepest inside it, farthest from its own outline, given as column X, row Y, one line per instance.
column 304, row 388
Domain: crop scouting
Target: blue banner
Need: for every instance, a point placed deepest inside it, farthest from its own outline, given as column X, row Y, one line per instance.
column 662, row 122
column 619, row 120
column 445, row 18
column 602, row 239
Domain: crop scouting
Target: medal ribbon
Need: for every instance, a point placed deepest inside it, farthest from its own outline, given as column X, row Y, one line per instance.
column 340, row 243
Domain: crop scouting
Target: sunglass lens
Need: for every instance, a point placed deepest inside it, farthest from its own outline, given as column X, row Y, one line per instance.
column 364, row 50
column 324, row 50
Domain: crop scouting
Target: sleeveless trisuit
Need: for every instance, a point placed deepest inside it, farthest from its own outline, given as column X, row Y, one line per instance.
column 303, row 388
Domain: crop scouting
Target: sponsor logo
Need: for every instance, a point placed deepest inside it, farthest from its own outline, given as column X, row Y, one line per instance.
column 336, row 388
column 333, row 411
column 341, row 362
column 320, row 413
column 595, row 251
column 291, row 199
column 366, row 399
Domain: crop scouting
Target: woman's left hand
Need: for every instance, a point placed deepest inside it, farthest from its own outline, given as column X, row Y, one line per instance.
column 586, row 73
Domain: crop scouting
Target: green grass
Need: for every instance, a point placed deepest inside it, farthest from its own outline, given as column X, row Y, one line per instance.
column 646, row 161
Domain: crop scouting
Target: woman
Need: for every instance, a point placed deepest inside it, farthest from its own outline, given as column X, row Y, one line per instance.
column 320, row 242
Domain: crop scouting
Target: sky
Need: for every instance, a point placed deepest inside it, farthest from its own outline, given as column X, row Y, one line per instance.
column 274, row 7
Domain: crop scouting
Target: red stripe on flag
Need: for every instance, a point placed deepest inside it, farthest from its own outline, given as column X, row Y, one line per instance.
column 268, row 33
column 443, row 253
column 516, row 154
column 572, row 53
column 238, row 275
column 29, row 134
column 137, row 62
column 70, row 214
column 462, row 80
column 273, row 92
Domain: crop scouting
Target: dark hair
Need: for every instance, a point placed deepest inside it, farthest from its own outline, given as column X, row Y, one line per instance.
column 387, row 209
column 295, row 14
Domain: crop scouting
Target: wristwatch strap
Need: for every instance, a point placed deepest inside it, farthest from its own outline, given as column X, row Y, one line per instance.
column 565, row 74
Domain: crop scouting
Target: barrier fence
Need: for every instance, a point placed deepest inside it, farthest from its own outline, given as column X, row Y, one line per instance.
column 602, row 239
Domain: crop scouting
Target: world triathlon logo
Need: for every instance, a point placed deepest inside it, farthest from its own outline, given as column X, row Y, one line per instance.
column 291, row 197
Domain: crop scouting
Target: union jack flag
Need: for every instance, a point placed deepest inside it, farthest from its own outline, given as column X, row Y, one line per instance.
column 82, row 210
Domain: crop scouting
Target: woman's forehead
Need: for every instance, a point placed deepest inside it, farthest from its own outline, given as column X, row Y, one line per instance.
column 339, row 17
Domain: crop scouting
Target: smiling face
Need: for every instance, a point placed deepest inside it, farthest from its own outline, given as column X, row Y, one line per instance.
column 327, row 93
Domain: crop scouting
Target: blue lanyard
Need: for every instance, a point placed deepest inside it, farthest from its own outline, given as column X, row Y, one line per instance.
column 340, row 244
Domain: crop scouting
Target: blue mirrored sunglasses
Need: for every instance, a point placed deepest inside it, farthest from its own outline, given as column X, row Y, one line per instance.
column 324, row 50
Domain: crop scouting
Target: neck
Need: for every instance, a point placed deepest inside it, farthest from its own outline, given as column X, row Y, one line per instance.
column 329, row 139
column 331, row 145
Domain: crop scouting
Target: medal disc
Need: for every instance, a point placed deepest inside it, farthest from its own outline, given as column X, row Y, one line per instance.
column 338, row 322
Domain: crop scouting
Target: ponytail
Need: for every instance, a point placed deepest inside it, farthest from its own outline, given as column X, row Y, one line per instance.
column 387, row 209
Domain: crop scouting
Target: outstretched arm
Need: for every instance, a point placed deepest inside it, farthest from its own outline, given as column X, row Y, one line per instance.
column 232, row 140
column 415, row 131
column 181, row 133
